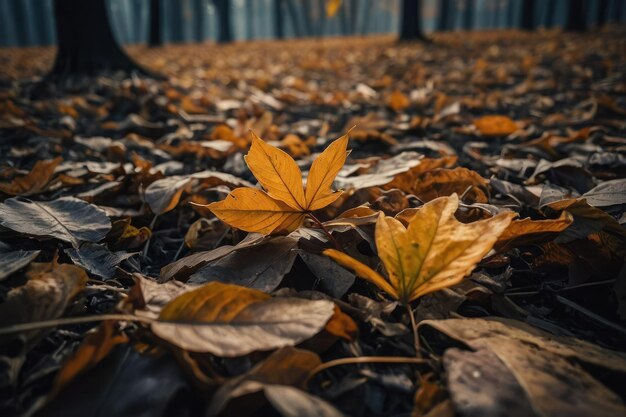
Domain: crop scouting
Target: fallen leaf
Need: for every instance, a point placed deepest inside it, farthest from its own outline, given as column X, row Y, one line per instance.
column 35, row 181
column 13, row 261
column 92, row 350
column 97, row 259
column 163, row 195
column 434, row 252
column 286, row 366
column 67, row 218
column 228, row 320
column 441, row 182
column 529, row 232
column 495, row 125
column 398, row 101
column 521, row 365
column 285, row 204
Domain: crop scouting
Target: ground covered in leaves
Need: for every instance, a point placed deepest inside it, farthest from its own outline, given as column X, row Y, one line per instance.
column 133, row 280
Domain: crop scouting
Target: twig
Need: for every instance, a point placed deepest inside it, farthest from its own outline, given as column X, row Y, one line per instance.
column 38, row 325
column 325, row 230
column 144, row 253
column 363, row 359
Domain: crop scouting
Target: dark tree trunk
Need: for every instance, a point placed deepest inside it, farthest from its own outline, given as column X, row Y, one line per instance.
column 468, row 15
column 155, row 37
column 86, row 45
column 198, row 19
column 411, row 23
column 550, row 13
column 23, row 22
column 603, row 7
column 576, row 21
column 528, row 14
column 279, row 20
column 225, row 33
column 343, row 21
column 443, row 15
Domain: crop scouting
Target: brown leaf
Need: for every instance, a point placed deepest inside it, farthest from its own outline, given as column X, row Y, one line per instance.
column 229, row 320
column 35, row 181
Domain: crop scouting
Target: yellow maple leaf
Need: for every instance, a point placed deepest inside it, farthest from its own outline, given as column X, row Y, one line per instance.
column 435, row 251
column 285, row 202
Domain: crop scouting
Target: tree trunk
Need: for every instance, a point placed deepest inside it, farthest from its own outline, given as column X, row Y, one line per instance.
column 199, row 12
column 155, row 37
column 225, row 33
column 576, row 20
column 86, row 45
column 367, row 16
column 411, row 23
column 279, row 20
column 249, row 13
column 528, row 15
column 550, row 13
column 175, row 24
column 293, row 13
column 603, row 7
column 443, row 15
column 468, row 15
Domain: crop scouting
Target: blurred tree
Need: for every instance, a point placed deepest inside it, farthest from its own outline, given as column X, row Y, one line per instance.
column 225, row 33
column 603, row 7
column 249, row 15
column 550, row 13
column 411, row 23
column 443, row 16
column 367, row 16
column 468, row 14
column 86, row 45
column 155, row 37
column 576, row 20
column 295, row 20
column 175, row 21
column 279, row 20
column 528, row 14
column 199, row 12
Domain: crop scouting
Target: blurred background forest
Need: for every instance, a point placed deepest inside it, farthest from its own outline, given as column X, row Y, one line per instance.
column 31, row 22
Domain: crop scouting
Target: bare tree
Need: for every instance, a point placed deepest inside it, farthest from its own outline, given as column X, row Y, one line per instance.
column 411, row 23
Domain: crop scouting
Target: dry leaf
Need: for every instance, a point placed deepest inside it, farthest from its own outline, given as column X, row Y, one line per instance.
column 285, row 203
column 35, row 181
column 434, row 252
column 495, row 125
column 398, row 101
column 529, row 232
column 229, row 320
column 68, row 219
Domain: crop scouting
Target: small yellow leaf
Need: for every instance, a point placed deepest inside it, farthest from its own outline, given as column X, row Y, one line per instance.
column 277, row 172
column 435, row 251
column 332, row 7
column 283, row 207
column 253, row 210
column 323, row 172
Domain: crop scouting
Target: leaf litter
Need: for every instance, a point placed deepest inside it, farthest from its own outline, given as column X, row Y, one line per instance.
column 323, row 229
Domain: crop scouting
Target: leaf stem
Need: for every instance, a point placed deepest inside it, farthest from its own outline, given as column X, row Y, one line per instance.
column 364, row 359
column 325, row 230
column 416, row 340
column 144, row 253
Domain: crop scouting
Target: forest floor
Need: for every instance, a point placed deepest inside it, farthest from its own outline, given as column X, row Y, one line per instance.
column 122, row 293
